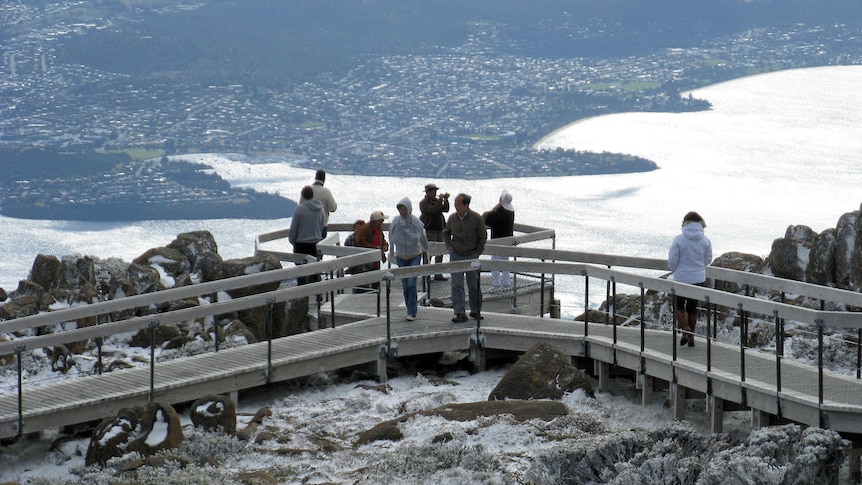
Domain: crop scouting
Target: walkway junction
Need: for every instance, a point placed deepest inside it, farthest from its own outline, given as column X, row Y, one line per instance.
column 370, row 329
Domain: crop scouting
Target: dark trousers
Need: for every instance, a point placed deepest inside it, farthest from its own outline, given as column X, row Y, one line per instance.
column 311, row 250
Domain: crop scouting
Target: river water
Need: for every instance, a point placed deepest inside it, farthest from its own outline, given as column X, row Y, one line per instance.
column 776, row 150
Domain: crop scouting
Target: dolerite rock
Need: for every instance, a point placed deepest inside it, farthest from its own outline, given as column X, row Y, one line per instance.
column 111, row 438
column 170, row 263
column 543, row 372
column 76, row 272
column 230, row 268
column 789, row 256
column 254, row 318
column 160, row 334
column 214, row 413
column 195, row 246
column 739, row 262
column 143, row 279
column 160, row 430
column 847, row 249
column 45, row 271
column 821, row 259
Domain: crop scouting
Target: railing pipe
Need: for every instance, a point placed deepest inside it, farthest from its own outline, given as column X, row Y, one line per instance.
column 477, row 267
column 777, row 354
column 153, row 325
column 819, row 323
column 859, row 353
column 674, row 324
column 270, row 303
column 709, row 330
column 613, row 307
column 98, row 348
column 607, row 299
column 643, row 316
column 18, row 354
column 388, row 309
column 586, row 303
column 743, row 331
column 331, row 304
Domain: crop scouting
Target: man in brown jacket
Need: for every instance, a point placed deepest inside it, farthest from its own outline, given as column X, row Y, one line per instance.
column 465, row 237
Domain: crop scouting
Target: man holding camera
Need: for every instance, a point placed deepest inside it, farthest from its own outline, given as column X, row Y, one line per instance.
column 432, row 208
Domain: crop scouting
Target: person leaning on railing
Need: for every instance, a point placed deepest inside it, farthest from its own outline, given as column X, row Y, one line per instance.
column 689, row 255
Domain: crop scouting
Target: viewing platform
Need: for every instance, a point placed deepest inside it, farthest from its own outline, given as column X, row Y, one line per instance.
column 370, row 330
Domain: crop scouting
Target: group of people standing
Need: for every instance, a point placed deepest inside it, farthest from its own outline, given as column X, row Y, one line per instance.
column 465, row 233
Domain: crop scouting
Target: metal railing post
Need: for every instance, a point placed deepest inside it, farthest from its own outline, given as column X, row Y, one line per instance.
column 586, row 303
column 777, row 353
column 388, row 279
column 643, row 316
column 153, row 325
column 743, row 331
column 674, row 324
column 18, row 351
column 709, row 325
column 477, row 267
column 332, row 303
column 859, row 353
column 819, row 323
column 613, row 308
column 270, row 302
column 99, row 341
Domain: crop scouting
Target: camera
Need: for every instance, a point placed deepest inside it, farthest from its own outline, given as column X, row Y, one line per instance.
column 444, row 195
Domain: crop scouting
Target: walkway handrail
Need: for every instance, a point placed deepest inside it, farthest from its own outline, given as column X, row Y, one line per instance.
column 745, row 304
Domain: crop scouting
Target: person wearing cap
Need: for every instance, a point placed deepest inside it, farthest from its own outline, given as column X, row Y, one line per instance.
column 431, row 210
column 501, row 221
column 325, row 197
column 465, row 237
column 407, row 244
column 306, row 228
column 370, row 235
column 689, row 255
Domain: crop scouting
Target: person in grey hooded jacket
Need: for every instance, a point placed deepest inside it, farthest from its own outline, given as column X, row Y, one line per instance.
column 407, row 243
column 306, row 227
column 689, row 255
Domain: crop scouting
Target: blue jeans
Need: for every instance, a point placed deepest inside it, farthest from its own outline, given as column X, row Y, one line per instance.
column 409, row 284
column 457, row 285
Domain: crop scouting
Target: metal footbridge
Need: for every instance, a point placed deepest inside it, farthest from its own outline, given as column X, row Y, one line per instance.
column 371, row 330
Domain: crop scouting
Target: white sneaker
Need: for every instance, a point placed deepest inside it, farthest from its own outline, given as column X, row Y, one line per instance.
column 410, row 318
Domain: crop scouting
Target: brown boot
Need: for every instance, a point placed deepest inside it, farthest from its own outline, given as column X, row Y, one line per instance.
column 682, row 323
column 692, row 323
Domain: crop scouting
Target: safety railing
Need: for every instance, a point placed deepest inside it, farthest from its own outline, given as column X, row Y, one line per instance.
column 613, row 270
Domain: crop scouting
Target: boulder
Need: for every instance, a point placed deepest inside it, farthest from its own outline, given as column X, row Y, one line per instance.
column 170, row 263
column 821, row 259
column 244, row 266
column 196, row 246
column 846, row 235
column 516, row 409
column 254, row 318
column 45, row 271
column 543, row 372
column 790, row 254
column 111, row 438
column 739, row 262
column 163, row 333
column 214, row 413
column 160, row 430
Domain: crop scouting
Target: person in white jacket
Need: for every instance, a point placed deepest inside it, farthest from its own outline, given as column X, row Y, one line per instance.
column 407, row 244
column 689, row 255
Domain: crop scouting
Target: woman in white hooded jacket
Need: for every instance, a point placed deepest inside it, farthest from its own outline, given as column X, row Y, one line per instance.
column 407, row 243
column 689, row 255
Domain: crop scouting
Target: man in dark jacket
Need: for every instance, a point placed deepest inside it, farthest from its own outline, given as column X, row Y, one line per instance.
column 431, row 209
column 465, row 237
